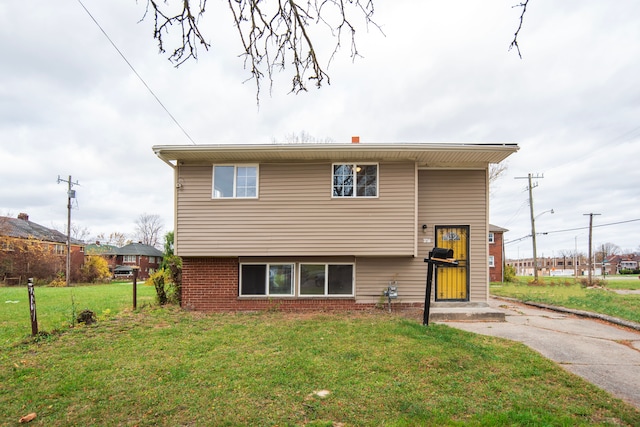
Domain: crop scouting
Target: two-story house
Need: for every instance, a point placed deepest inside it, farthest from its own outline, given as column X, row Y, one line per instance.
column 28, row 249
column 496, row 253
column 122, row 261
column 328, row 226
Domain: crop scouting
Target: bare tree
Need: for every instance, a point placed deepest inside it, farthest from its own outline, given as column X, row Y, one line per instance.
column 148, row 229
column 302, row 137
column 79, row 233
column 495, row 171
column 274, row 33
column 606, row 250
column 115, row 238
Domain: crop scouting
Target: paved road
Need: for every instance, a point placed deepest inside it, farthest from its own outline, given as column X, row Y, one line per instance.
column 603, row 354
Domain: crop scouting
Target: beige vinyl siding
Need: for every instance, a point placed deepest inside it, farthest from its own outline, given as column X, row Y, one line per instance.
column 296, row 215
column 446, row 197
column 458, row 197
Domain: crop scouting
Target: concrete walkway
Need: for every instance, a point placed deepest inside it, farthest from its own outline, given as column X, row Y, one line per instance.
column 603, row 354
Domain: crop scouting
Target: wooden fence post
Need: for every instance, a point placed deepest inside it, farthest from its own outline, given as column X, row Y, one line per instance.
column 32, row 308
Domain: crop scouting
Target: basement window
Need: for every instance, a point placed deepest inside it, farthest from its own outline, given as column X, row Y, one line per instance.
column 266, row 279
column 326, row 279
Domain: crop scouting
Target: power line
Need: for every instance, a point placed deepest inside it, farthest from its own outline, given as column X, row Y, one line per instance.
column 136, row 73
column 571, row 229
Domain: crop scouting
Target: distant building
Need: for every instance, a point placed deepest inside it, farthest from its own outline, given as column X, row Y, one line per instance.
column 614, row 264
column 552, row 266
column 496, row 253
column 122, row 260
column 19, row 236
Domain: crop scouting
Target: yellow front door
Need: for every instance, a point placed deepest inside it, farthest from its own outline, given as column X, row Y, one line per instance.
column 452, row 283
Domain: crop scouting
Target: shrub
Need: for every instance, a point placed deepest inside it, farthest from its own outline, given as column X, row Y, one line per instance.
column 95, row 269
column 157, row 278
column 58, row 282
column 509, row 273
column 584, row 282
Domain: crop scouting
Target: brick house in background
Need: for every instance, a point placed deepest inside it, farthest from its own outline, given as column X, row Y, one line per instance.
column 616, row 263
column 20, row 233
column 122, row 260
column 496, row 253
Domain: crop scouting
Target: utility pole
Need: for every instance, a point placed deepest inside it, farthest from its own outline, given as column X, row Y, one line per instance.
column 590, row 263
column 533, row 221
column 71, row 194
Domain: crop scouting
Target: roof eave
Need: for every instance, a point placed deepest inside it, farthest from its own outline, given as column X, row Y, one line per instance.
column 419, row 152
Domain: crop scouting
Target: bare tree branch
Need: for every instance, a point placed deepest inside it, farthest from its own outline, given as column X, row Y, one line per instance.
column 274, row 34
column 188, row 23
column 514, row 43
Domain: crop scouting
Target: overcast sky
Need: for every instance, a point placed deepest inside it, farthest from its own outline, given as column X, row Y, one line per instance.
column 442, row 72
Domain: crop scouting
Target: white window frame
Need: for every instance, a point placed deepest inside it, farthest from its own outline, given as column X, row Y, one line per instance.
column 266, row 284
column 492, row 261
column 492, row 237
column 129, row 258
column 354, row 166
column 235, row 179
column 326, row 280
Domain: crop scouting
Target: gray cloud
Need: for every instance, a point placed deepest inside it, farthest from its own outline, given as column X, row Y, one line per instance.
column 442, row 72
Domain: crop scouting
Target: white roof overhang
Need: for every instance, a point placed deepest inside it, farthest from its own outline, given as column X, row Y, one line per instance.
column 424, row 154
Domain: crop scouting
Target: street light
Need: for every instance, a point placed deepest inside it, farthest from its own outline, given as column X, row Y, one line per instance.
column 533, row 236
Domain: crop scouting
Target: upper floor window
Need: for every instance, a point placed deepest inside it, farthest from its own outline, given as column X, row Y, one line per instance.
column 235, row 181
column 491, row 238
column 355, row 180
column 129, row 258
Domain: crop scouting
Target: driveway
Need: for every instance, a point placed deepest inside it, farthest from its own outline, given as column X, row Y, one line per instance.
column 601, row 353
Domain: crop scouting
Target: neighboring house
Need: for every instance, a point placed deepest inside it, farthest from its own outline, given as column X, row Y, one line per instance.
column 122, row 260
column 496, row 253
column 17, row 232
column 329, row 226
column 616, row 263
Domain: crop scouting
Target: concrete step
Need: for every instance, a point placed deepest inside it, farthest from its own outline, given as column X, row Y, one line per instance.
column 465, row 314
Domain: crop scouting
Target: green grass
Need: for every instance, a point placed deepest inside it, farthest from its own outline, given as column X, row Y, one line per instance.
column 167, row 367
column 623, row 282
column 55, row 307
column 567, row 293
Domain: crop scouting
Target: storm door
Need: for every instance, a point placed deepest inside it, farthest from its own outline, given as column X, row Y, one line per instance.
column 452, row 283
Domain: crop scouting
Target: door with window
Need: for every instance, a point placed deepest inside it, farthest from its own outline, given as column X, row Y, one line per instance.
column 452, row 283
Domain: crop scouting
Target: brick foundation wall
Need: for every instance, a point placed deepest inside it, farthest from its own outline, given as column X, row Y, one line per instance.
column 211, row 284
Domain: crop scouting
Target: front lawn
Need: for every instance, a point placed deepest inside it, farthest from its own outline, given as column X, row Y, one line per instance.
column 168, row 367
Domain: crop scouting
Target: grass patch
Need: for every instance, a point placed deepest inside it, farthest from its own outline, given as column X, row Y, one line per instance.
column 624, row 282
column 167, row 367
column 57, row 307
column 567, row 293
